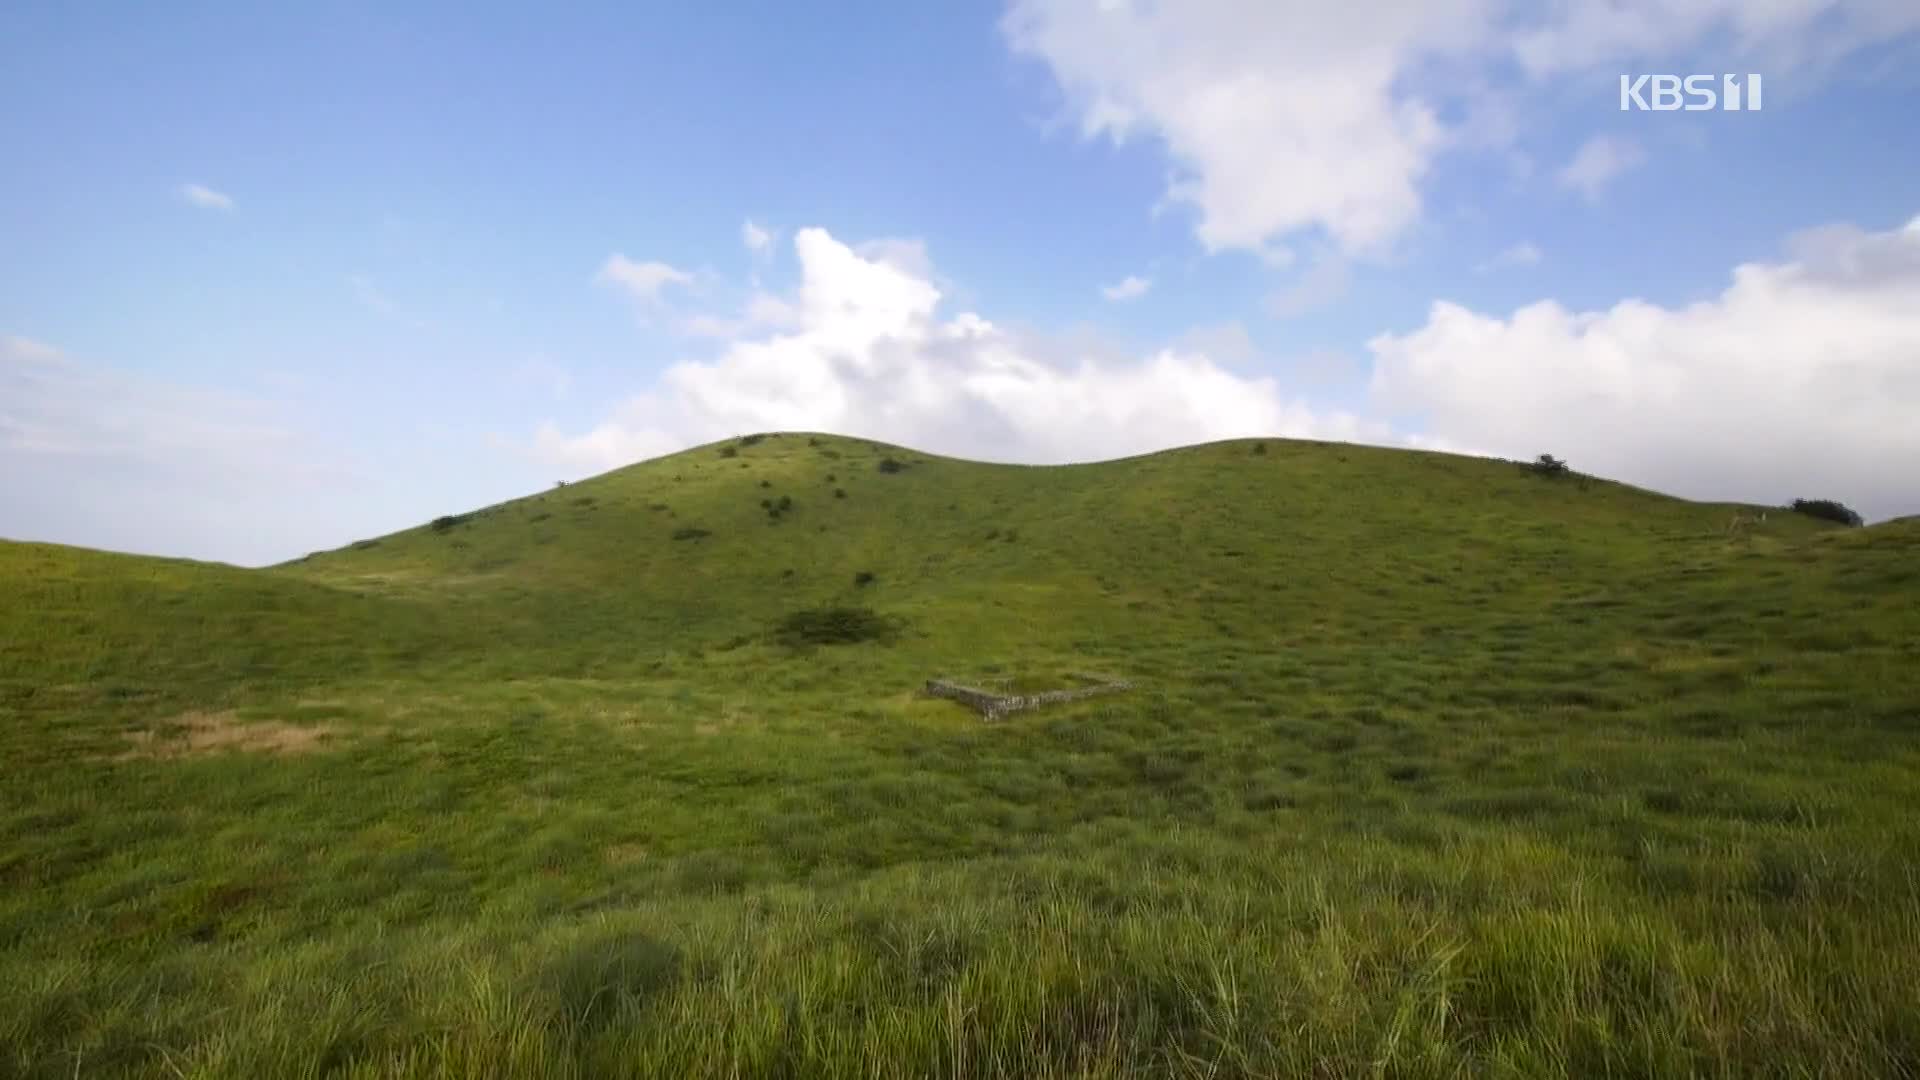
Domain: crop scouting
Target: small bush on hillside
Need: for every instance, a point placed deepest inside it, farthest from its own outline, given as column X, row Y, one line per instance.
column 766, row 504
column 751, row 440
column 690, row 532
column 839, row 493
column 1259, row 448
column 1546, row 465
column 448, row 521
column 891, row 465
column 785, row 503
column 864, row 577
column 1827, row 510
column 832, row 626
column 729, row 451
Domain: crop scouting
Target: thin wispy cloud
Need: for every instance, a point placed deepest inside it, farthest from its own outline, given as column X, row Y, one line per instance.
column 205, row 197
column 757, row 239
column 1598, row 163
column 1524, row 253
column 1131, row 287
column 643, row 281
column 14, row 347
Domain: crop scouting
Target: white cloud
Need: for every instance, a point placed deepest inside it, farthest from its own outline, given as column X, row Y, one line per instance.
column 1525, row 253
column 1598, row 162
column 1131, row 287
column 1284, row 118
column 757, row 240
column 868, row 353
column 205, row 197
column 643, row 281
column 1801, row 379
column 1277, row 117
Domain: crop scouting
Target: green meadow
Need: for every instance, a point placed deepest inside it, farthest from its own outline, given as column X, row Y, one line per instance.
column 1433, row 766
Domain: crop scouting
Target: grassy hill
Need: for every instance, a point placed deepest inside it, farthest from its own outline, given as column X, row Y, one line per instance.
column 1433, row 766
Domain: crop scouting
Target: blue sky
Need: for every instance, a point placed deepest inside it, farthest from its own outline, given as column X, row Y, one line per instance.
column 280, row 277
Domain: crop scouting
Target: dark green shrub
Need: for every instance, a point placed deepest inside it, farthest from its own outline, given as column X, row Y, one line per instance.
column 447, row 521
column 891, row 465
column 751, row 440
column 864, row 577
column 729, row 451
column 1827, row 510
column 785, row 503
column 1259, row 448
column 1546, row 465
column 690, row 532
column 832, row 626
column 839, row 493
column 766, row 504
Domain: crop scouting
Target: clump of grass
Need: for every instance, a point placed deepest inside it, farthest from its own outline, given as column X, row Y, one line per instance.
column 832, row 626
column 691, row 532
column 864, row 578
column 445, row 522
column 891, row 465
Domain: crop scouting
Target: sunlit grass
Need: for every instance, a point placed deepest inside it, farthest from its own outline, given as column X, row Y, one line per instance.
column 1433, row 767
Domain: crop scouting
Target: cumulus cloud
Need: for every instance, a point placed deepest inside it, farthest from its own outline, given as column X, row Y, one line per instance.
column 205, row 197
column 1290, row 117
column 868, row 352
column 642, row 281
column 1598, row 162
column 1800, row 379
column 1131, row 287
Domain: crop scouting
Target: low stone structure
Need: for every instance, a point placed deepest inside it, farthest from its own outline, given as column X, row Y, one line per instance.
column 994, row 706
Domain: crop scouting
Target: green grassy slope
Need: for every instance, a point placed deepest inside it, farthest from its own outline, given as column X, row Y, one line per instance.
column 1434, row 765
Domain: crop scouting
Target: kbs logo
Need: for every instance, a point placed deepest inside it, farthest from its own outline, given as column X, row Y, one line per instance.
column 1693, row 93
